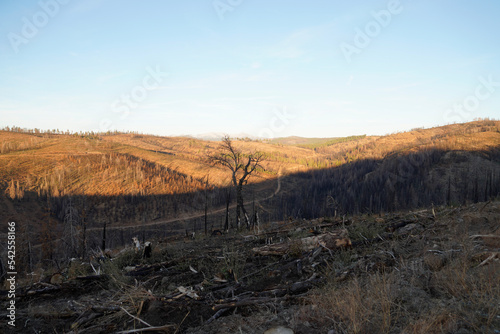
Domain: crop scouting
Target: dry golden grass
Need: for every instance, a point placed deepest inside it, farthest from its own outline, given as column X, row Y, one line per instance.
column 71, row 164
column 360, row 306
column 437, row 284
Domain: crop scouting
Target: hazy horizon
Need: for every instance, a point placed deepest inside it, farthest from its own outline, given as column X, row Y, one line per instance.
column 219, row 135
column 265, row 69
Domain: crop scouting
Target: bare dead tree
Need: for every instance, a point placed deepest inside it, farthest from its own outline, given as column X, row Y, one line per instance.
column 241, row 166
column 71, row 229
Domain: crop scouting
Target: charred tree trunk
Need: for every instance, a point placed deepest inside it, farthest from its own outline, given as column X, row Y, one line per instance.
column 84, row 240
column 206, row 207
column 448, row 194
column 241, row 206
column 104, row 236
column 228, row 200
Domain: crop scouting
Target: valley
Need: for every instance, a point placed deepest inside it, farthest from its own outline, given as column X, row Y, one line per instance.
column 403, row 199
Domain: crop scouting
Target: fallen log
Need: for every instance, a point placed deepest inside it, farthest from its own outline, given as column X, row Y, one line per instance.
column 92, row 278
column 485, row 237
column 216, row 315
column 302, row 226
column 245, row 302
column 330, row 241
column 486, row 258
column 378, row 238
column 77, row 285
column 149, row 269
column 495, row 256
column 400, row 224
column 148, row 329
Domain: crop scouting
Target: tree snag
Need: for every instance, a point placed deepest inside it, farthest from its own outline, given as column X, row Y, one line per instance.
column 241, row 166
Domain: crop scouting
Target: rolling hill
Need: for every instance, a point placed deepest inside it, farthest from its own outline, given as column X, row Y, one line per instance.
column 133, row 180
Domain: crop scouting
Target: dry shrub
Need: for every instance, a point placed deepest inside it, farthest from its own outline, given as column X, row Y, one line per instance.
column 434, row 262
column 234, row 261
column 457, row 295
column 127, row 258
column 78, row 268
column 475, row 289
column 296, row 249
column 360, row 306
column 440, row 322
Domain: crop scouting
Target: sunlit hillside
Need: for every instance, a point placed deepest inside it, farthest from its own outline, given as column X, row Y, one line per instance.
column 128, row 178
column 118, row 164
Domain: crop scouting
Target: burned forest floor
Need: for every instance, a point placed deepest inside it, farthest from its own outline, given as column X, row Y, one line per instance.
column 429, row 271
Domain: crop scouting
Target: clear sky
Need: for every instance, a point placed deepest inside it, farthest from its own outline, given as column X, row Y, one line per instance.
column 316, row 68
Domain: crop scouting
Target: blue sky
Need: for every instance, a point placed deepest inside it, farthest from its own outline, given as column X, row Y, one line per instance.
column 272, row 68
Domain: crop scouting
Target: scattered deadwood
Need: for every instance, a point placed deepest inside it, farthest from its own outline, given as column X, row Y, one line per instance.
column 331, row 241
column 219, row 295
column 278, row 294
column 145, row 270
column 495, row 256
column 245, row 302
column 187, row 292
column 485, row 237
column 284, row 231
column 253, row 301
column 206, row 282
column 487, row 258
column 400, row 224
column 145, row 329
column 216, row 315
column 75, row 286
column 378, row 238
column 85, row 318
column 489, row 240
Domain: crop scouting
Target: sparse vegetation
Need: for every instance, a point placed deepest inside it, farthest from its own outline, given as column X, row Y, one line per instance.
column 408, row 271
column 411, row 280
column 332, row 141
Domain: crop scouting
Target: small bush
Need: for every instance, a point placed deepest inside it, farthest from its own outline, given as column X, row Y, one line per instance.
column 360, row 306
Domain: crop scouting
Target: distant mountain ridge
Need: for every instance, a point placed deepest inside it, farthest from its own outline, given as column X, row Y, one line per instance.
column 216, row 136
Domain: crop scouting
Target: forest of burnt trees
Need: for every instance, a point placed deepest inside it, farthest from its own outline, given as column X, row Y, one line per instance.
column 399, row 182
column 158, row 192
column 440, row 170
column 118, row 187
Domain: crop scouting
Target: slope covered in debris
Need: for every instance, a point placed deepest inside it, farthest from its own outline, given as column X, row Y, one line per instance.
column 430, row 271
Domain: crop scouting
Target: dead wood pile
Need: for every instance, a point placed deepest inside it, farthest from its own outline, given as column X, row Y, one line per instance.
column 328, row 241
